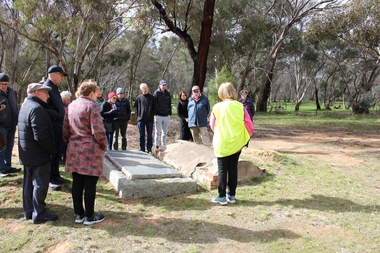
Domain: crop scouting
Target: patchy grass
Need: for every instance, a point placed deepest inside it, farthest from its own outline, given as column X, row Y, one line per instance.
column 305, row 204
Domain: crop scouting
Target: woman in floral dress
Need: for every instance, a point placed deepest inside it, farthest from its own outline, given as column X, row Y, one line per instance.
column 85, row 136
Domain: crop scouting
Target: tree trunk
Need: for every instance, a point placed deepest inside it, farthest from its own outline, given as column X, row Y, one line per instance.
column 247, row 70
column 317, row 99
column 199, row 58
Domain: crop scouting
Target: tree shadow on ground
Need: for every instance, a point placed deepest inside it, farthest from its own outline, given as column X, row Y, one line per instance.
column 318, row 202
column 120, row 224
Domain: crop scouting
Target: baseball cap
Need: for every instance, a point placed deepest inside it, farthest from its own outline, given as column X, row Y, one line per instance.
column 56, row 69
column 162, row 82
column 195, row 88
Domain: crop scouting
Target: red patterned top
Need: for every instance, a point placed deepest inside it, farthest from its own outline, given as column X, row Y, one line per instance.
column 85, row 136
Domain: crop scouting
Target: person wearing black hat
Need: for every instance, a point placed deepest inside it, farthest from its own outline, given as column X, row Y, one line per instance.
column 56, row 111
column 36, row 147
column 8, row 123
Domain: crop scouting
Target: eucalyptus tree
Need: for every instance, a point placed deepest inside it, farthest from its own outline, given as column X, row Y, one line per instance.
column 179, row 17
column 73, row 31
column 285, row 14
column 351, row 39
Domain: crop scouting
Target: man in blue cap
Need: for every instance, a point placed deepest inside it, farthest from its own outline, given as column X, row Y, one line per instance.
column 164, row 111
column 56, row 113
column 121, row 120
column 8, row 123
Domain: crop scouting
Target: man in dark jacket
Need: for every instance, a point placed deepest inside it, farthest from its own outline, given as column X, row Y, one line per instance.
column 145, row 109
column 36, row 148
column 8, row 123
column 121, row 120
column 164, row 111
column 56, row 113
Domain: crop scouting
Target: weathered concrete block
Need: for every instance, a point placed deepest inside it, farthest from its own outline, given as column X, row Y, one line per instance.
column 137, row 175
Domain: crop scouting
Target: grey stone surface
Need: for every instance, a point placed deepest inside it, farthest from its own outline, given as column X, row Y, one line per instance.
column 135, row 175
column 194, row 160
column 140, row 165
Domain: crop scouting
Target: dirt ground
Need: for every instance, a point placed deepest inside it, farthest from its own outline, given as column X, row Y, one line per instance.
column 337, row 148
column 344, row 145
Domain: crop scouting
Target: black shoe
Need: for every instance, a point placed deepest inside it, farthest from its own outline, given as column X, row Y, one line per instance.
column 59, row 180
column 54, row 186
column 96, row 218
column 12, row 170
column 79, row 219
column 48, row 217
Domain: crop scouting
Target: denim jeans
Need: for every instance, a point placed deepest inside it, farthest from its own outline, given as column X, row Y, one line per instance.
column 109, row 140
column 6, row 153
column 149, row 129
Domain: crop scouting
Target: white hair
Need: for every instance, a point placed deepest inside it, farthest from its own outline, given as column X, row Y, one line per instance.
column 142, row 85
column 65, row 94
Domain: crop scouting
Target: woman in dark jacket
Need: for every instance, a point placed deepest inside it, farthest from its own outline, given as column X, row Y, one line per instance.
column 246, row 100
column 108, row 111
column 185, row 133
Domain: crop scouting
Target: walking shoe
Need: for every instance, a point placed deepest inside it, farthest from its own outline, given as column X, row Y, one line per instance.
column 12, row 170
column 2, row 174
column 96, row 218
column 220, row 200
column 80, row 218
column 231, row 199
column 54, row 187
column 46, row 218
column 60, row 180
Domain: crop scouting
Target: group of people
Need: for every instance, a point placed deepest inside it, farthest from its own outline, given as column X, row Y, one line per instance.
column 47, row 125
column 47, row 121
column 116, row 113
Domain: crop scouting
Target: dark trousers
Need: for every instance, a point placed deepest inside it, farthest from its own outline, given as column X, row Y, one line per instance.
column 88, row 185
column 6, row 152
column 184, row 133
column 227, row 171
column 36, row 185
column 55, row 161
column 149, row 130
column 121, row 126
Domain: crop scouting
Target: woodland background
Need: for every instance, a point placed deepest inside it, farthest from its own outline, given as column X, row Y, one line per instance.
column 325, row 52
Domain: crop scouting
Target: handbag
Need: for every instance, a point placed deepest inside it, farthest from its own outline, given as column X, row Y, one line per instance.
column 3, row 141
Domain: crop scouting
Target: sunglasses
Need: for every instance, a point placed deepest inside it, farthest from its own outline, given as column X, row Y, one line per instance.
column 195, row 91
column 113, row 98
column 121, row 93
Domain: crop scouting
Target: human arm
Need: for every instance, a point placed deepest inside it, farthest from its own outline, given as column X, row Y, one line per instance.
column 212, row 121
column 248, row 122
column 42, row 130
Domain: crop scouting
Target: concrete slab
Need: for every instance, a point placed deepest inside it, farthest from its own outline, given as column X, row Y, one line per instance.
column 135, row 175
column 139, row 165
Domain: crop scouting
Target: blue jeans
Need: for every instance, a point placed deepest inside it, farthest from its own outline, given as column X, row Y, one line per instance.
column 149, row 130
column 6, row 153
column 109, row 140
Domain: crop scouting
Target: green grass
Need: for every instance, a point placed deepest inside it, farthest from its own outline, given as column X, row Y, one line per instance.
column 303, row 205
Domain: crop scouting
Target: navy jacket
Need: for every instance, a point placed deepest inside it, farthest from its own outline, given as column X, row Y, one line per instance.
column 163, row 102
column 55, row 107
column 9, row 116
column 36, row 142
column 124, row 110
